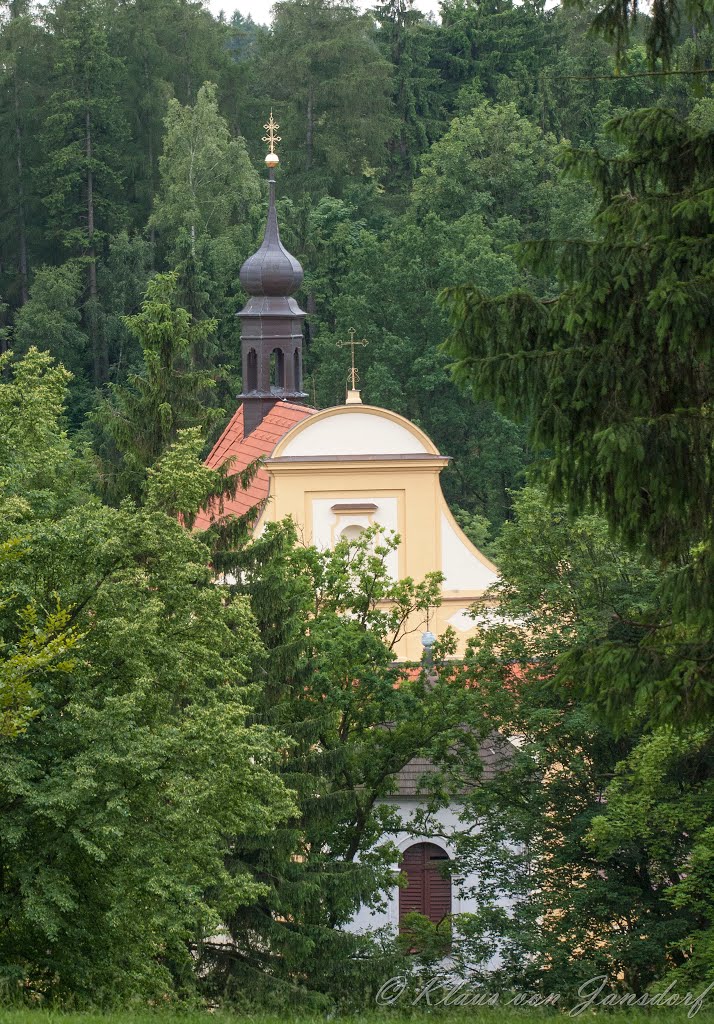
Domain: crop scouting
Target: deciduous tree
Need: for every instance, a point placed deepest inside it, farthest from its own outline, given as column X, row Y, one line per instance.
column 136, row 760
column 588, row 832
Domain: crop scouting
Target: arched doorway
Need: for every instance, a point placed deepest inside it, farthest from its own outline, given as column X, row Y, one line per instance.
column 428, row 891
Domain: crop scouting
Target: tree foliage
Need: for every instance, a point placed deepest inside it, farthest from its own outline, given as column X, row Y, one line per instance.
column 187, row 761
column 428, row 149
column 328, row 75
column 142, row 418
column 589, row 833
column 207, row 182
column 353, row 717
column 614, row 378
column 127, row 757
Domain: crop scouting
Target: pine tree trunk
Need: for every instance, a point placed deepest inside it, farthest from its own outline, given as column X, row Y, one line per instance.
column 310, row 130
column 152, row 182
column 21, row 230
column 98, row 348
column 90, row 209
column 152, row 229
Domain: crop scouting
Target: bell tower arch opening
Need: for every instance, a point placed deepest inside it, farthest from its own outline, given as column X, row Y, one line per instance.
column 277, row 369
column 251, row 371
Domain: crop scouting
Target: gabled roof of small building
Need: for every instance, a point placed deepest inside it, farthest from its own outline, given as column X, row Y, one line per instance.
column 495, row 752
column 243, row 450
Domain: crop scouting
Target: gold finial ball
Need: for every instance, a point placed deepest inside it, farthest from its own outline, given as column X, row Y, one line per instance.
column 272, row 160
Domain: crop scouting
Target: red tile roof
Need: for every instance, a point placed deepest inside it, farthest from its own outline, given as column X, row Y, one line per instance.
column 244, row 450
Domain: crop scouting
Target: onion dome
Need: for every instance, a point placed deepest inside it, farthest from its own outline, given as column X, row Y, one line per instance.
column 272, row 270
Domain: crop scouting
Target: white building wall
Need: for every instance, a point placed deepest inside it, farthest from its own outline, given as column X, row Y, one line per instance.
column 446, row 825
column 327, row 526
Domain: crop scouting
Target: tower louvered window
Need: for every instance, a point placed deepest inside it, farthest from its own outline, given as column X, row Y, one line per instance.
column 428, row 891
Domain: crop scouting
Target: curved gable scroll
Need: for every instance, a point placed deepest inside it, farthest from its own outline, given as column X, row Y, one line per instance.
column 346, row 430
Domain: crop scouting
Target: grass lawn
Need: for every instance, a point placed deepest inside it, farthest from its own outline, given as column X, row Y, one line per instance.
column 465, row 1015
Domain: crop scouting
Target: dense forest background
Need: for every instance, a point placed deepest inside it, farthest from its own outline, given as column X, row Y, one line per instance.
column 414, row 155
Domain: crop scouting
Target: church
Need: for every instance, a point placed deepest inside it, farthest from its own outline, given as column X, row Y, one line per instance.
column 336, row 472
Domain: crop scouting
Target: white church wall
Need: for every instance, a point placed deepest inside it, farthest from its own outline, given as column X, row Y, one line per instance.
column 446, row 824
column 328, row 526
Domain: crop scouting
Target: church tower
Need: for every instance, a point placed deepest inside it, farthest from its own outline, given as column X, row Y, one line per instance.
column 271, row 320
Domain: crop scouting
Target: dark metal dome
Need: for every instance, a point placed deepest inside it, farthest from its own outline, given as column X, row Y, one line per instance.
column 271, row 270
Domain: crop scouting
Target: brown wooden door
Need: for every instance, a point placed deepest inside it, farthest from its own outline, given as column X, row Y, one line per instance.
column 427, row 891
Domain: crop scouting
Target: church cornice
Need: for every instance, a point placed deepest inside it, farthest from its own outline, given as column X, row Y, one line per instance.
column 422, row 462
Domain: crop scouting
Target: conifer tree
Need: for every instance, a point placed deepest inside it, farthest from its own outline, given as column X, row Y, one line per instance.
column 408, row 43
column 665, row 20
column 21, row 95
column 139, row 420
column 51, row 319
column 333, row 84
column 83, row 134
column 614, row 378
column 353, row 718
column 122, row 279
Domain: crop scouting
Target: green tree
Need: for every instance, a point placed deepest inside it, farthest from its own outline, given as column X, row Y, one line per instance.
column 21, row 95
column 581, row 91
column 665, row 20
column 137, row 760
column 122, row 280
column 497, row 50
column 360, row 278
column 408, row 41
column 139, row 420
column 660, row 801
column 52, row 320
column 589, row 833
column 331, row 88
column 494, row 162
column 614, row 378
column 330, row 620
column 205, row 215
column 37, row 637
column 83, row 135
column 207, row 181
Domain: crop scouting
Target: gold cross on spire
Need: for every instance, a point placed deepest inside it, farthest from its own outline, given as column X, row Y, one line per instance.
column 353, row 375
column 271, row 138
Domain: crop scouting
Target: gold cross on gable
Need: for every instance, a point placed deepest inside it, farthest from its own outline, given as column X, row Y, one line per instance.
column 271, row 128
column 352, row 376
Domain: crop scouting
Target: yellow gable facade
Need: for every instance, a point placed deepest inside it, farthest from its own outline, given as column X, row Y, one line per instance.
column 346, row 468
column 340, row 470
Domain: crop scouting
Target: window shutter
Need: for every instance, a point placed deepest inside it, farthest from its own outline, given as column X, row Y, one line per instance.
column 427, row 891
